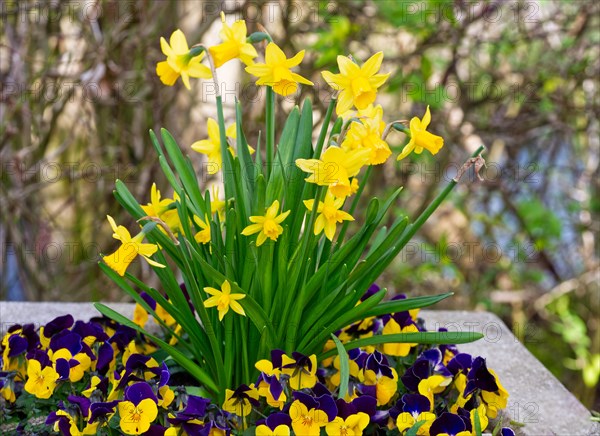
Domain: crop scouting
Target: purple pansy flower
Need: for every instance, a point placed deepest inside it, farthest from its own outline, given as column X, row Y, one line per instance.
column 447, row 423
column 480, row 378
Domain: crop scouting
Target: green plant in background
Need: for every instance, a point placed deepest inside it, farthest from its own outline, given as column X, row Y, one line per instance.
column 294, row 284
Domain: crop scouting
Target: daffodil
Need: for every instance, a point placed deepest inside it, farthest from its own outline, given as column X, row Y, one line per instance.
column 234, row 44
column 203, row 236
column 163, row 208
column 352, row 425
column 211, row 147
column 334, row 168
column 357, row 84
column 367, row 133
column 277, row 71
column 130, row 248
column 420, row 138
column 329, row 214
column 41, row 382
column 180, row 61
column 267, row 226
column 217, row 205
column 223, row 299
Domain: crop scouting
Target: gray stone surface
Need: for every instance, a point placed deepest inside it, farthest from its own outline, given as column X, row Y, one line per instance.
column 537, row 398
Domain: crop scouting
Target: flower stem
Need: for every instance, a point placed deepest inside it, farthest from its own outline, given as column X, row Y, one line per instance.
column 354, row 204
column 270, row 122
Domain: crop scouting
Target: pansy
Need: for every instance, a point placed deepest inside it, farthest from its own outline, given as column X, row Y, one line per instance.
column 234, row 44
column 329, row 214
column 309, row 414
column 415, row 408
column 276, row 424
column 392, row 326
column 380, row 380
column 138, row 410
column 267, row 226
column 357, row 84
column 180, row 61
column 41, row 380
column 191, row 418
column 67, row 424
column 497, row 400
column 351, row 425
column 301, row 369
column 241, row 401
column 7, row 386
column 420, row 138
column 130, row 248
column 277, row 71
column 433, row 385
column 367, row 133
column 448, row 424
column 271, row 389
column 223, row 300
column 334, row 169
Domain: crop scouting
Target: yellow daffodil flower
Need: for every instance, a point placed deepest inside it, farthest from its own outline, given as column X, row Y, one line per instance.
column 267, row 226
column 211, row 147
column 216, row 204
column 357, row 85
column 163, row 208
column 223, row 299
column 335, row 168
column 367, row 133
column 329, row 214
column 136, row 419
column 129, row 249
column 180, row 62
column 395, row 348
column 307, row 422
column 234, row 44
column 40, row 382
column 276, row 71
column 203, row 236
column 351, row 426
column 420, row 138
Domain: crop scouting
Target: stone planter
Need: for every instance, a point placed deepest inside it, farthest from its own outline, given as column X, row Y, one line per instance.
column 537, row 398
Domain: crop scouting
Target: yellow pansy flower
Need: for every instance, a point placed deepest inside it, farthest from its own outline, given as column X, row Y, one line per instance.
column 180, row 62
column 420, row 138
column 367, row 133
column 351, row 426
column 357, row 85
column 234, row 44
column 280, row 430
column 329, row 214
column 397, row 348
column 267, row 226
column 334, row 169
column 130, row 248
column 136, row 419
column 40, row 382
column 276, row 71
column 223, row 299
column 307, row 422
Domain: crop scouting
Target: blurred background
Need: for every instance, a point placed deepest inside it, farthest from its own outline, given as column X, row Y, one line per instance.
column 79, row 93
